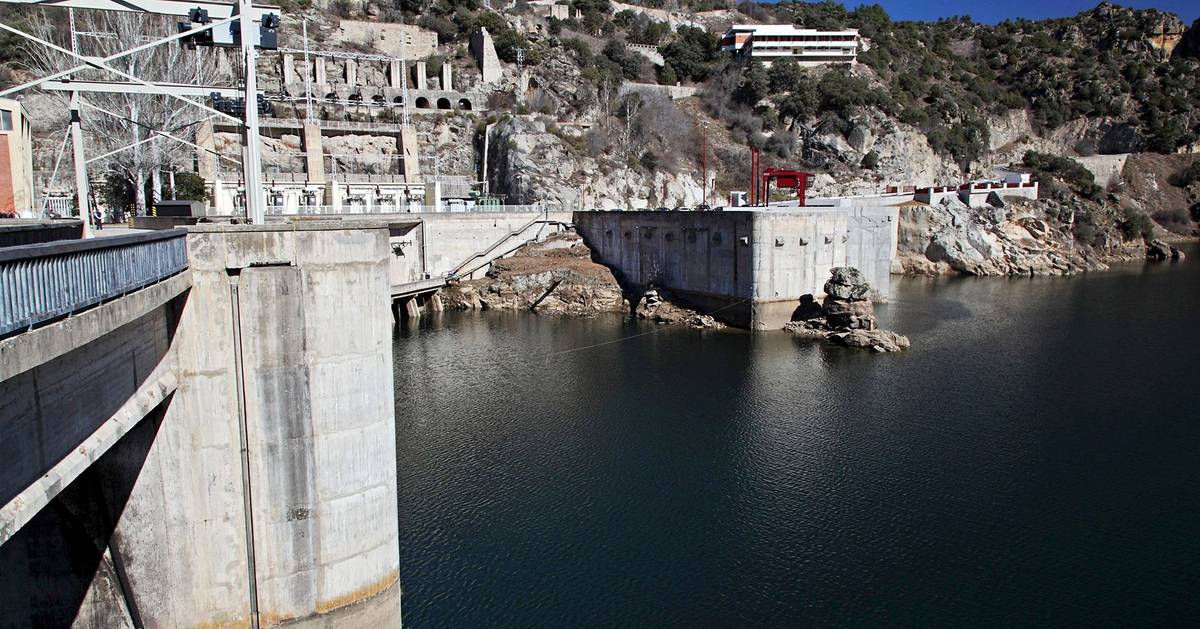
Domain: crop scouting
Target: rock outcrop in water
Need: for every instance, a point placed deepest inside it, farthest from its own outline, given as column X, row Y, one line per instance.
column 554, row 276
column 1159, row 250
column 846, row 317
column 655, row 306
column 1014, row 240
column 558, row 276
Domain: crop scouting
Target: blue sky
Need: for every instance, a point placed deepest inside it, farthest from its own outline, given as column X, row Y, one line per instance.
column 991, row 11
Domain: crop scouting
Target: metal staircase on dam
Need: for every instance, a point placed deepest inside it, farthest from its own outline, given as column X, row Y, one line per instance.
column 498, row 249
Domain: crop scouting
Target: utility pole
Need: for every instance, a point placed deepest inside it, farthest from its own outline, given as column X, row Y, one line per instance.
column 704, row 162
column 252, row 163
column 81, row 177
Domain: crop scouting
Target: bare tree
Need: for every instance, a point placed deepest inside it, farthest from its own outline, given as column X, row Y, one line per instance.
column 137, row 116
column 630, row 107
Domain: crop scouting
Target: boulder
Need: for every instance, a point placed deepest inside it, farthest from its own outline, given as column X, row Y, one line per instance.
column 847, row 316
column 847, row 283
column 850, row 315
column 802, row 329
column 875, row 340
column 1158, row 250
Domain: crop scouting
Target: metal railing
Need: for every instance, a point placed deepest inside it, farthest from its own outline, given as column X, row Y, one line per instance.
column 361, row 210
column 42, row 282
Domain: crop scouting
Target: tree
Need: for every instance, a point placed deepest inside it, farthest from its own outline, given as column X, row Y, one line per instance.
column 189, row 186
column 630, row 107
column 754, row 86
column 666, row 75
column 138, row 116
column 692, row 53
column 785, row 76
column 800, row 105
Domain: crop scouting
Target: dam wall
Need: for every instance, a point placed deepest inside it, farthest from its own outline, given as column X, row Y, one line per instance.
column 286, row 347
column 453, row 237
column 747, row 267
column 254, row 482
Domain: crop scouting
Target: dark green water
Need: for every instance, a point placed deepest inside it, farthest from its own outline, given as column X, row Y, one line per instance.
column 1033, row 461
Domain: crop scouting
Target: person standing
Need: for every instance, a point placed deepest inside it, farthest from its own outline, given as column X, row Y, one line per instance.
column 97, row 219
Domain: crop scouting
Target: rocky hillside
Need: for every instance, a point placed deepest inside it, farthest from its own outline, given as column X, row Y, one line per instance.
column 1103, row 107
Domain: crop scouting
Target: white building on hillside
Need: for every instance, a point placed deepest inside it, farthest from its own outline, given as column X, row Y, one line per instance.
column 771, row 42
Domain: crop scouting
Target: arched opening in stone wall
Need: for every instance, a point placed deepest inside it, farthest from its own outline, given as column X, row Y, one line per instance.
column 464, row 104
column 443, row 103
column 422, row 102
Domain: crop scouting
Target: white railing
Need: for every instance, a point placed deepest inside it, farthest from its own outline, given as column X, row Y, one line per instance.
column 363, row 210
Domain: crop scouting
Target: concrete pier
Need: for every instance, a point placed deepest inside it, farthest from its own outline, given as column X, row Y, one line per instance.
column 227, row 443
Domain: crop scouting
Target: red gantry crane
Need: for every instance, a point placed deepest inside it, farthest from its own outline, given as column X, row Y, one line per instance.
column 761, row 178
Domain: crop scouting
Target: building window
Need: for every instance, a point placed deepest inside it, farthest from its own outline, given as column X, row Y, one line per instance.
column 6, row 120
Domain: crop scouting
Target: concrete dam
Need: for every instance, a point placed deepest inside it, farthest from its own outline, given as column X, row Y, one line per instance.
column 212, row 442
column 198, row 425
column 748, row 267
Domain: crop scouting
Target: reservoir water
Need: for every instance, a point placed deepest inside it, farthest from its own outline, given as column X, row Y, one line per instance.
column 1034, row 460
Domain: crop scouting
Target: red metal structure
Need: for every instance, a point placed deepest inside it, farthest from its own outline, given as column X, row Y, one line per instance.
column 761, row 178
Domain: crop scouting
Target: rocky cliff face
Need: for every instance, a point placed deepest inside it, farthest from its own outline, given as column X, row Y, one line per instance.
column 534, row 159
column 1189, row 44
column 903, row 155
column 1015, row 240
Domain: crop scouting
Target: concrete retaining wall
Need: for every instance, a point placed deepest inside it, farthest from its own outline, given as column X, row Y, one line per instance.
column 73, row 438
column 450, row 238
column 739, row 264
column 282, row 345
column 47, row 411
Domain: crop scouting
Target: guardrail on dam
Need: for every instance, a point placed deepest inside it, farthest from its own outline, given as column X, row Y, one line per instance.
column 44, row 281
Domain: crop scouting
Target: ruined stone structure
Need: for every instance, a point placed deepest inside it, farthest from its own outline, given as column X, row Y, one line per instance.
column 397, row 40
column 484, row 52
column 317, row 181
column 371, row 82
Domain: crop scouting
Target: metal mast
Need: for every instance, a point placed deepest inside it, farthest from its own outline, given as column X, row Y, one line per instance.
column 252, row 166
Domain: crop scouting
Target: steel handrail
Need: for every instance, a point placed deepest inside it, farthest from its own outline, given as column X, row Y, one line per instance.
column 42, row 282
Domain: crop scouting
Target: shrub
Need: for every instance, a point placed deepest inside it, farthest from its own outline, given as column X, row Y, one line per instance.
column 1136, row 224
column 667, row 76
column 1186, row 176
column 188, row 186
column 1176, row 220
column 649, row 161
column 871, row 160
column 1068, row 170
